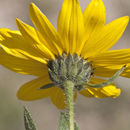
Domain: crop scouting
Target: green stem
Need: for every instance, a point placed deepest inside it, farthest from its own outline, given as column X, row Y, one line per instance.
column 69, row 92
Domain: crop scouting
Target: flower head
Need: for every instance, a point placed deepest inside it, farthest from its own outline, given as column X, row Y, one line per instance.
column 82, row 35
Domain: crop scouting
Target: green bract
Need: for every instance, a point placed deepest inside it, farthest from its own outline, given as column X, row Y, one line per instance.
column 70, row 67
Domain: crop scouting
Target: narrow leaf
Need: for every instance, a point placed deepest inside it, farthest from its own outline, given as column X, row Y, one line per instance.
column 28, row 122
column 48, row 86
column 108, row 82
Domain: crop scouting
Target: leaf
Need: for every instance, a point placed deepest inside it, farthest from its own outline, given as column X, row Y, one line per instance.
column 63, row 125
column 47, row 86
column 75, row 126
column 28, row 122
column 107, row 82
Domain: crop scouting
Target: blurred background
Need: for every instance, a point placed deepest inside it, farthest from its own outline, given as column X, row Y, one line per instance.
column 91, row 113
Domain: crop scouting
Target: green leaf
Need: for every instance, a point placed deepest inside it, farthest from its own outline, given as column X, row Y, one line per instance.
column 63, row 125
column 75, row 126
column 107, row 82
column 28, row 122
column 48, row 86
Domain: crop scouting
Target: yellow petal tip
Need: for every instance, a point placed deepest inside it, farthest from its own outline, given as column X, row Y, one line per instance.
column 32, row 5
column 125, row 19
column 117, row 94
column 18, row 22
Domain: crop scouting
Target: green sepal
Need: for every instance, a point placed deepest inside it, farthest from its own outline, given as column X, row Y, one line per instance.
column 75, row 57
column 28, row 122
column 53, row 66
column 87, row 65
column 62, row 68
column 73, row 70
column 53, row 76
column 76, row 126
column 69, row 63
column 48, row 86
column 69, row 67
column 108, row 82
column 63, row 124
column 80, row 66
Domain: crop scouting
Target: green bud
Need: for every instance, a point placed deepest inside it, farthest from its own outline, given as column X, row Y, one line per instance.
column 69, row 67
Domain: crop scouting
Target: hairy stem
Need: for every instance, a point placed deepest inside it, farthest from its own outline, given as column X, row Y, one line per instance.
column 69, row 92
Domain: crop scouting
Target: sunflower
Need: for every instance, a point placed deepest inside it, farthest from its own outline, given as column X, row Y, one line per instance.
column 80, row 35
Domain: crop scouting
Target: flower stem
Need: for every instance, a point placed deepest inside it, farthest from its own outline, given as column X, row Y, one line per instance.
column 69, row 92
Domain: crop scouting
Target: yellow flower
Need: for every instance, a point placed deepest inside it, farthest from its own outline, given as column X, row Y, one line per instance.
column 28, row 50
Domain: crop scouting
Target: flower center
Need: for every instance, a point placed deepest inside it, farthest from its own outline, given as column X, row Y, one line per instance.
column 70, row 67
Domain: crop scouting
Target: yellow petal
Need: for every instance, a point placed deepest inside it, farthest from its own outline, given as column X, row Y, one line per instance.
column 94, row 17
column 94, row 14
column 105, row 38
column 21, row 65
column 107, row 91
column 110, row 70
column 112, row 57
column 86, row 93
column 30, row 91
column 71, row 25
column 13, row 43
column 107, row 63
column 46, row 29
column 58, row 98
column 30, row 34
